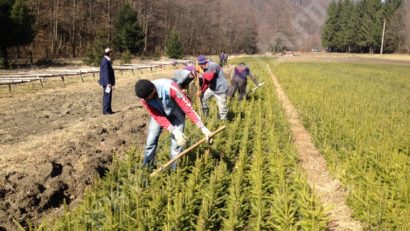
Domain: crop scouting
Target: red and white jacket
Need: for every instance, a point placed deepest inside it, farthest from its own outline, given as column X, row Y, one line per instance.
column 170, row 98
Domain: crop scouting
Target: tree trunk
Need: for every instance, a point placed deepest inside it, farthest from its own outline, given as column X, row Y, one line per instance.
column 31, row 56
column 73, row 30
column 54, row 40
column 145, row 29
column 109, row 6
column 4, row 54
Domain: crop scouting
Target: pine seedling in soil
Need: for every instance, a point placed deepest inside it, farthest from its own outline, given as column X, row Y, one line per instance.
column 213, row 200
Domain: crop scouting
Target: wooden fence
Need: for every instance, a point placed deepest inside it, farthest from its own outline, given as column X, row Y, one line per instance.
column 13, row 78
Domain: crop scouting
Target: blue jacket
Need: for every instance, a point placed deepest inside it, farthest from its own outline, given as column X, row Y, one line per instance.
column 164, row 103
column 106, row 73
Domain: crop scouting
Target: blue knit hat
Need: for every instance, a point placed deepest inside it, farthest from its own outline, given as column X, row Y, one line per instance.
column 202, row 59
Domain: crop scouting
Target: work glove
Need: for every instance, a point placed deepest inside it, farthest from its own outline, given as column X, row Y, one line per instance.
column 180, row 138
column 207, row 134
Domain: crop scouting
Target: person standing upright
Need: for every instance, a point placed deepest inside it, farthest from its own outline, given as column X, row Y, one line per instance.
column 107, row 81
column 225, row 59
column 213, row 84
column 222, row 59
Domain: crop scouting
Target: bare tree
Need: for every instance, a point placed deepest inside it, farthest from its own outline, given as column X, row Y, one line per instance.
column 66, row 28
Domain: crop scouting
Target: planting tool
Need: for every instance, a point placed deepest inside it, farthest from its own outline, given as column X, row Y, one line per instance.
column 254, row 89
column 199, row 98
column 201, row 141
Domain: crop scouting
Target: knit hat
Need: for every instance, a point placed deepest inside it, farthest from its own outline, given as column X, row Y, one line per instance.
column 202, row 60
column 190, row 68
column 143, row 88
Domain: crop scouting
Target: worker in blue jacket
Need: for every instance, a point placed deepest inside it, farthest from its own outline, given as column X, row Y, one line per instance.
column 107, row 81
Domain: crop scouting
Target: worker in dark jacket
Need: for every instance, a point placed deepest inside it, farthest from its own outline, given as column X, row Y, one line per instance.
column 107, row 81
column 222, row 59
column 239, row 80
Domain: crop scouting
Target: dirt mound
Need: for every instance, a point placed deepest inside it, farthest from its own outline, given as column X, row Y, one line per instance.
column 64, row 173
column 55, row 142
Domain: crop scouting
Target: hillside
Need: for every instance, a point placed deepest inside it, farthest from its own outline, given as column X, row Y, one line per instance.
column 297, row 23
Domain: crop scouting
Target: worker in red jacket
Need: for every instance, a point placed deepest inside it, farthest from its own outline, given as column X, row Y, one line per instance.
column 167, row 106
column 213, row 84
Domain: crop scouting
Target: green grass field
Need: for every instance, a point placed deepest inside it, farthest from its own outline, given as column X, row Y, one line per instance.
column 358, row 116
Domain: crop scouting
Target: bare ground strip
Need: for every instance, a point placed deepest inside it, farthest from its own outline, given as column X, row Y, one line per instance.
column 330, row 191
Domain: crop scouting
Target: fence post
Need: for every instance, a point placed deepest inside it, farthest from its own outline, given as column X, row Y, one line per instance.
column 62, row 78
column 81, row 74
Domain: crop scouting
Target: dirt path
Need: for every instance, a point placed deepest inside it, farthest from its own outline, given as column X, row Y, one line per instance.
column 329, row 190
column 55, row 142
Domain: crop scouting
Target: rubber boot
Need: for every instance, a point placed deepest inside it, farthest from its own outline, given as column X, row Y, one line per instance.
column 205, row 112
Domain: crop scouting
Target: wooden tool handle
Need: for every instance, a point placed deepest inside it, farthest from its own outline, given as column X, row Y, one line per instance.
column 185, row 152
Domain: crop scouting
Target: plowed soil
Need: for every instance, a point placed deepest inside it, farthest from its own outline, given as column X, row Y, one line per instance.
column 54, row 142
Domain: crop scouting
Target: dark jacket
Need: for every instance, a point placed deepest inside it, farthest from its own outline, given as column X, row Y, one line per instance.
column 106, row 73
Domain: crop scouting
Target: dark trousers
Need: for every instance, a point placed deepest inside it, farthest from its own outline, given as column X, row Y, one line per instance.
column 107, row 97
column 239, row 84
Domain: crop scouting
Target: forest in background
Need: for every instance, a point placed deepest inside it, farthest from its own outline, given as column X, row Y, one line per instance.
column 358, row 26
column 70, row 28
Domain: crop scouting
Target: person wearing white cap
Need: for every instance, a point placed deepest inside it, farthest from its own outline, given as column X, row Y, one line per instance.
column 107, row 81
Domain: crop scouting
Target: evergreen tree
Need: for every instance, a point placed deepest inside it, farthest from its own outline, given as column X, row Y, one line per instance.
column 395, row 36
column 358, row 26
column 16, row 26
column 331, row 27
column 95, row 52
column 173, row 46
column 371, row 16
column 361, row 10
column 348, row 26
column 129, row 35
